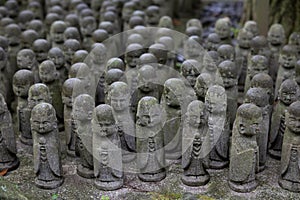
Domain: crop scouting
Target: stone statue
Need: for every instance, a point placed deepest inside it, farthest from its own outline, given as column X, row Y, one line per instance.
column 287, row 62
column 242, row 51
column 79, row 56
column 82, row 114
column 259, row 46
column 56, row 55
column 5, row 86
column 229, row 74
column 127, row 11
column 12, row 33
column 223, row 29
column 195, row 161
column 67, row 99
column 210, row 67
column 150, row 142
column 191, row 69
column 8, row 148
column 169, row 43
column 166, row 22
column 72, row 33
column 203, row 82
column 49, row 76
column 28, row 37
column 244, row 151
column 111, row 76
column 176, row 97
column 257, row 64
column 57, row 30
column 22, row 81
column 70, row 47
column 287, row 94
column 212, row 42
column 87, row 26
column 46, row 148
column 289, row 178
column 276, row 40
column 26, row 60
column 38, row 26
column 119, row 98
column 41, row 48
column 226, row 52
column 152, row 15
column 193, row 50
column 294, row 40
column 260, row 98
column 108, row 168
column 251, row 26
column 99, row 35
column 216, row 104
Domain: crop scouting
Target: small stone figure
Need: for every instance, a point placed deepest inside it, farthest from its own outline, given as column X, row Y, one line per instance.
column 191, row 69
column 166, row 22
column 287, row 62
column 26, row 60
column 212, row 42
column 258, row 64
column 127, row 11
column 8, row 148
column 260, row 98
column 99, row 35
column 70, row 47
column 5, row 88
column 251, row 26
column 211, row 68
column 203, row 82
column 176, row 97
column 289, row 178
column 150, row 142
column 56, row 55
column 226, row 52
column 195, row 160
column 79, row 56
column 170, row 46
column 49, row 76
column 152, row 15
column 216, row 104
column 67, row 98
column 108, row 168
column 244, row 149
column 28, row 37
column 193, row 50
column 22, row 81
column 88, row 26
column 229, row 74
column 288, row 93
column 242, row 51
column 276, row 40
column 41, row 48
column 82, row 114
column 223, row 29
column 119, row 97
column 57, row 33
column 72, row 33
column 294, row 40
column 46, row 148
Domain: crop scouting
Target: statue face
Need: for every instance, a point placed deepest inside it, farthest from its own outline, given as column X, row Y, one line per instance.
column 46, row 75
column 223, row 30
column 57, row 37
column 275, row 37
column 214, row 105
column 293, row 123
column 229, row 79
column 107, row 127
column 153, row 18
column 200, row 88
column 81, row 114
column 58, row 60
column 21, row 90
column 192, row 49
column 258, row 68
column 25, row 62
column 194, row 119
column 34, row 100
column 69, row 53
column 119, row 103
column 41, row 55
column 88, row 28
column 244, row 40
column 248, row 127
column 132, row 59
column 42, row 123
column 288, row 96
column 287, row 60
column 171, row 98
column 146, row 85
column 191, row 74
column 144, row 119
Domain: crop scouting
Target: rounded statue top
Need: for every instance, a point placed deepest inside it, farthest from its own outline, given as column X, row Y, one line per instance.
column 71, row 33
column 226, row 52
column 196, row 107
column 251, row 26
column 84, row 101
column 23, row 77
column 108, row 26
column 294, row 109
column 43, row 112
column 100, row 35
column 147, row 72
column 228, row 68
column 262, row 80
column 194, row 22
column 140, row 13
column 276, row 34
column 38, row 89
column 72, row 44
column 249, row 111
column 41, row 45
column 244, row 38
column 115, row 63
column 55, row 52
column 58, row 27
column 175, row 85
column 136, row 21
column 214, row 38
column 193, row 30
column 68, row 86
column 289, row 50
column 223, row 27
column 113, row 75
column 257, row 96
column 259, row 60
column 13, row 30
column 166, row 22
column 104, row 113
column 79, row 56
column 147, row 58
column 135, row 38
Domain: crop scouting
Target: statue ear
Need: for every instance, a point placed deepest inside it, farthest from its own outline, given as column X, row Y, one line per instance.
column 90, row 114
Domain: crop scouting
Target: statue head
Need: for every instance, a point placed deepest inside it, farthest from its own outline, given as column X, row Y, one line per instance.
column 71, row 33
column 57, row 31
column 119, row 95
column 41, row 48
column 26, row 59
column 196, row 115
column 216, row 99
column 70, row 47
column 100, row 35
column 38, row 26
column 24, row 18
column 67, row 90
column 22, row 80
column 115, row 63
column 105, row 119
column 98, row 54
column 192, row 48
column 288, row 56
column 56, row 55
column 203, row 82
column 213, row 42
column 135, row 38
column 114, row 75
column 258, row 64
column 83, row 107
column 223, row 28
column 229, row 73
column 47, row 71
column 264, row 81
column 28, row 37
column 160, row 52
column 108, row 26
column 146, row 78
column 191, row 69
column 43, row 118
column 153, row 15
column 147, row 58
column 148, row 112
column 194, row 31
column 244, row 38
column 248, row 119
column 294, row 39
column 226, row 52
column 288, row 92
column 257, row 96
column 3, row 59
column 174, row 89
column 194, row 22
column 127, row 10
column 12, row 33
column 79, row 56
column 38, row 93
column 251, row 26
column 166, row 22
column 293, row 117
column 276, row 35
column 88, row 25
column 132, row 54
column 136, row 21
column 209, row 63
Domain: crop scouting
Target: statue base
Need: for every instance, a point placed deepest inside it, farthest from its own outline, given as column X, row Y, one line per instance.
column 10, row 166
column 243, row 188
column 152, row 177
column 195, row 181
column 218, row 164
column 128, row 157
column 275, row 154
column 288, row 185
column 49, row 184
column 113, row 185
column 261, row 168
column 26, row 141
column 85, row 172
